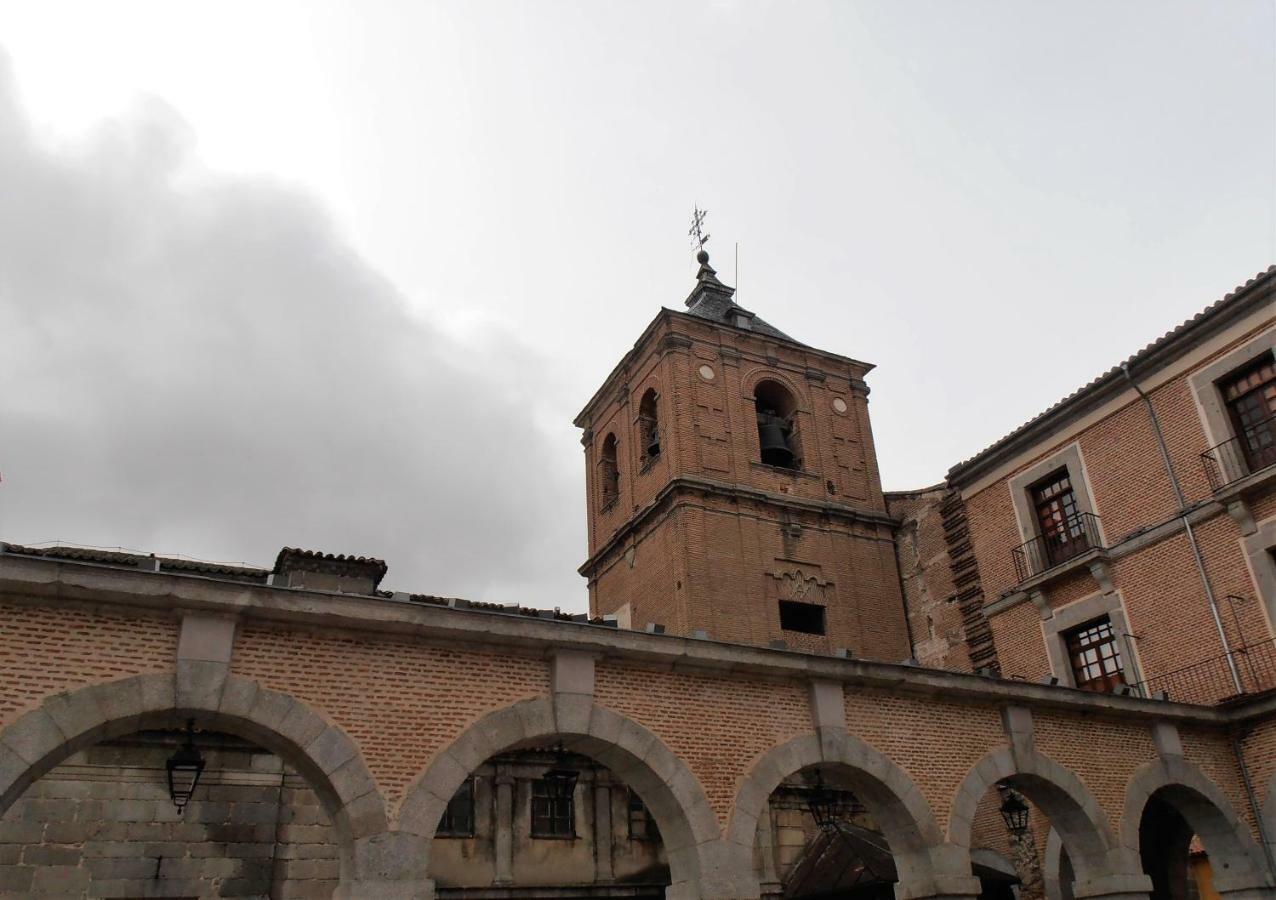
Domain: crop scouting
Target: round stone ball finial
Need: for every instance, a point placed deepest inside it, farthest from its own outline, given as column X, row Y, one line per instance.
column 703, row 257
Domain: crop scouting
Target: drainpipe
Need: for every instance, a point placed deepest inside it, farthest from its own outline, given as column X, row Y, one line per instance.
column 1187, row 526
column 1253, row 802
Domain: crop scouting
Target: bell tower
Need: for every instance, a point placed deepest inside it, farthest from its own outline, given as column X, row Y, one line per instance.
column 733, row 490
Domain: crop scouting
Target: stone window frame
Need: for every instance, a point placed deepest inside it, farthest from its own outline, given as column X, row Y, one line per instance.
column 1210, row 406
column 1258, row 549
column 1065, row 618
column 1020, row 486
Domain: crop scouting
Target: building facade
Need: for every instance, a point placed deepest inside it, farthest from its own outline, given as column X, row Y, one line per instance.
column 1049, row 675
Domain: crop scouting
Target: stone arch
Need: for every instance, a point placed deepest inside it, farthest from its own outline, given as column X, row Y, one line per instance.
column 1052, row 868
column 329, row 760
column 688, row 826
column 1237, row 859
column 755, row 376
column 925, row 866
column 1072, row 810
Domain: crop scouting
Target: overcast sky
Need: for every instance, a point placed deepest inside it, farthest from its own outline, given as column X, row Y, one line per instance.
column 339, row 275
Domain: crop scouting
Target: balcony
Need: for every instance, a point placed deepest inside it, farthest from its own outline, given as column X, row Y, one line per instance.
column 1210, row 682
column 1074, row 539
column 1234, row 463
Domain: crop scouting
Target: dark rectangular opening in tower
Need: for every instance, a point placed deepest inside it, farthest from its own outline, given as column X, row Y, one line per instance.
column 807, row 618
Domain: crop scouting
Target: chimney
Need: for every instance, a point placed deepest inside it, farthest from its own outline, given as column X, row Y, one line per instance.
column 327, row 571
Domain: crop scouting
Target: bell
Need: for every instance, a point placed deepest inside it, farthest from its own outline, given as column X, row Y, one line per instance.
column 653, row 443
column 773, row 440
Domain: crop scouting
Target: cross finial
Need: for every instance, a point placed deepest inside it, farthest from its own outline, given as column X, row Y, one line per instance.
column 696, row 232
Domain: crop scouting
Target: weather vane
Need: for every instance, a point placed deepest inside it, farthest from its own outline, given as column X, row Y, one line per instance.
column 696, row 232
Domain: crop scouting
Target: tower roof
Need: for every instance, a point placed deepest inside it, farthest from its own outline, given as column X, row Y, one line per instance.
column 711, row 299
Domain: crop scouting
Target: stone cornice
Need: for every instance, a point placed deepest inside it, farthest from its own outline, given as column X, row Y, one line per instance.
column 698, row 484
column 61, row 583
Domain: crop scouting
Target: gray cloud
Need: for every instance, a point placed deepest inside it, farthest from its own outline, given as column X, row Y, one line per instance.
column 200, row 364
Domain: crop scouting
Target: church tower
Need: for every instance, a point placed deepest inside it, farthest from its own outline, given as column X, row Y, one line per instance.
column 733, row 489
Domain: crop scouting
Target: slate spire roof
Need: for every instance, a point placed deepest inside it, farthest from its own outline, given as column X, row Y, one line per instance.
column 711, row 299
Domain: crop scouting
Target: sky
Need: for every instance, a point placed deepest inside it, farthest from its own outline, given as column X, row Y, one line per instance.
column 339, row 275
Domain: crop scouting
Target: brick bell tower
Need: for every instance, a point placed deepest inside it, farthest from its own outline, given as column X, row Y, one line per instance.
column 733, row 488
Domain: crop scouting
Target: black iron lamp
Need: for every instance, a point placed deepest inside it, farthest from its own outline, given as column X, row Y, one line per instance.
column 184, row 768
column 560, row 781
column 1015, row 813
column 828, row 807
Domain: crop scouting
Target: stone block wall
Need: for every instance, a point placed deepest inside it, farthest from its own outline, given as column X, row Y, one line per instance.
column 102, row 825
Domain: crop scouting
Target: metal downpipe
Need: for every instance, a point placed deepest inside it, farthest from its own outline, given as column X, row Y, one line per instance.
column 1187, row 527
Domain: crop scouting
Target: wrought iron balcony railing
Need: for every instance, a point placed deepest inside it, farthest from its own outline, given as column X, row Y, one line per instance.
column 1250, row 451
column 1209, row 682
column 1068, row 540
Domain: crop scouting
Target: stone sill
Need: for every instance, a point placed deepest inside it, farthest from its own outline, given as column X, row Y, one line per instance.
column 781, row 470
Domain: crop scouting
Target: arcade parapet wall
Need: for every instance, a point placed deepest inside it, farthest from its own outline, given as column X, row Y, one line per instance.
column 385, row 706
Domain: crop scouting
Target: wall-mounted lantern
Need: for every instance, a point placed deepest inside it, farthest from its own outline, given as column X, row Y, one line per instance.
column 828, row 807
column 1014, row 812
column 184, row 768
column 560, row 781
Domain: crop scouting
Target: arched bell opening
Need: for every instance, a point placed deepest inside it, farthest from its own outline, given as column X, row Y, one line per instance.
column 140, row 814
column 648, row 428
column 608, row 473
column 779, row 438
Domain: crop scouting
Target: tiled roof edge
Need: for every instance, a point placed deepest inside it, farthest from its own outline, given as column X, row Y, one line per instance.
column 965, row 470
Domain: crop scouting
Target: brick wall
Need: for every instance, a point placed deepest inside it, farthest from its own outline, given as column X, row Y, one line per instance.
column 402, row 701
column 1158, row 583
column 44, row 650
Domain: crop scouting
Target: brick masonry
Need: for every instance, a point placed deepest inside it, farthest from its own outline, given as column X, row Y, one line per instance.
column 383, row 706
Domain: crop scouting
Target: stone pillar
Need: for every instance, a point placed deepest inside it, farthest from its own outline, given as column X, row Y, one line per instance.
column 387, row 866
column 766, row 849
column 503, row 827
column 602, row 829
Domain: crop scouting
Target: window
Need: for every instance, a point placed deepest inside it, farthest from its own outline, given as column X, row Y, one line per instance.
column 777, row 426
column 551, row 818
column 649, row 428
column 1095, row 656
column 1063, row 533
column 458, row 818
column 1250, row 397
column 805, row 617
column 608, row 473
column 642, row 827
